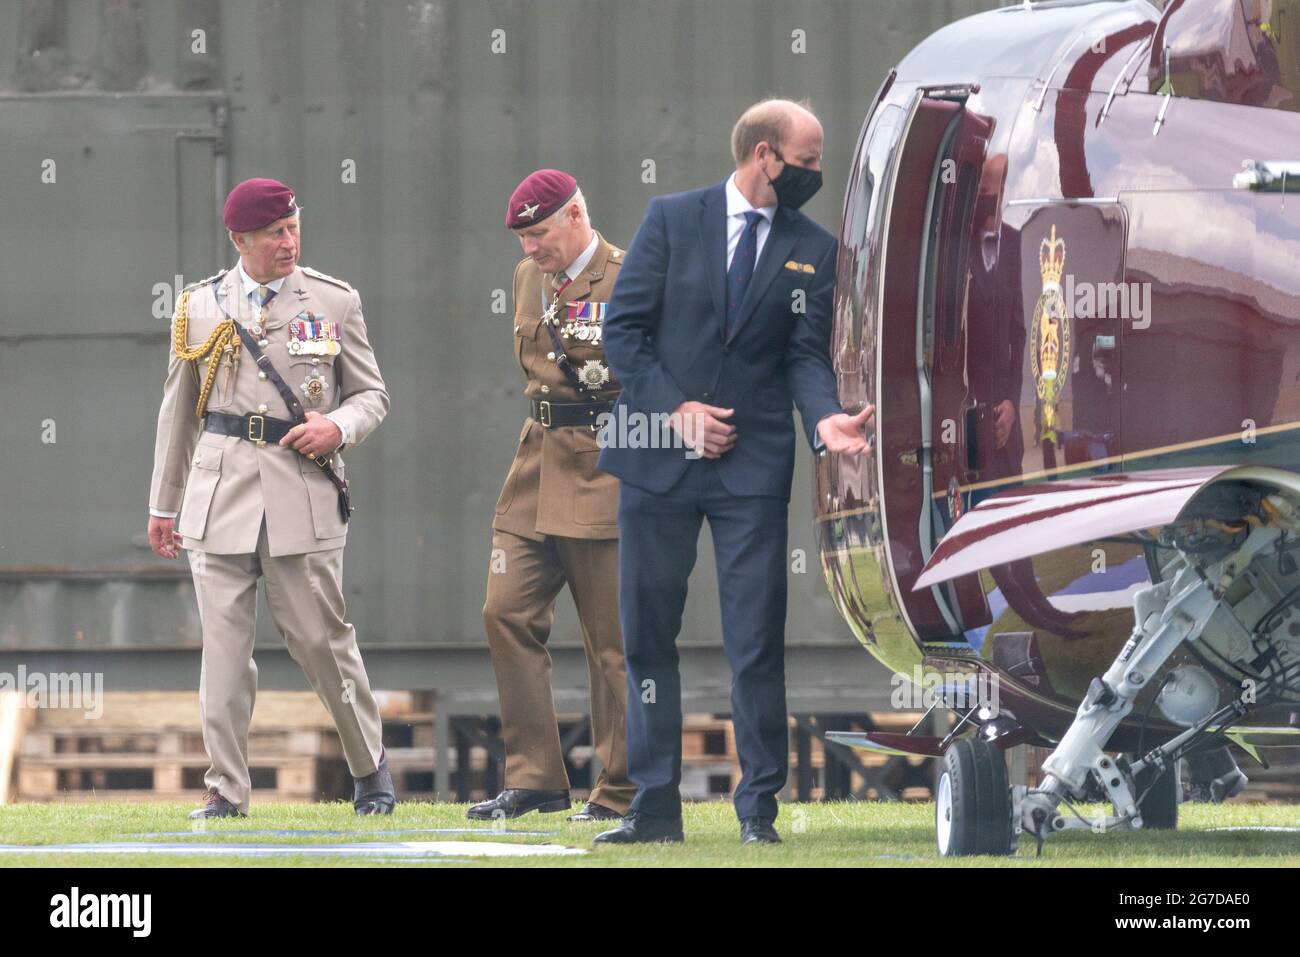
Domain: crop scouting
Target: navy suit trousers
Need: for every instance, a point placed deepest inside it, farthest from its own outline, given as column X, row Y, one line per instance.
column 657, row 548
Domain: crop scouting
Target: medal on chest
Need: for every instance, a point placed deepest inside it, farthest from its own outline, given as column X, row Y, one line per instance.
column 584, row 321
column 311, row 334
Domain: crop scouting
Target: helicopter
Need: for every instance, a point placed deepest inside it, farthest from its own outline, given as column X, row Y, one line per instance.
column 1068, row 283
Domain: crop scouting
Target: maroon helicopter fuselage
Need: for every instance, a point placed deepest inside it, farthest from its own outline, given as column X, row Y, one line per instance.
column 1048, row 273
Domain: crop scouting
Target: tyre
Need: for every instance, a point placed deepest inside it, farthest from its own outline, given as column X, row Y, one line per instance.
column 972, row 808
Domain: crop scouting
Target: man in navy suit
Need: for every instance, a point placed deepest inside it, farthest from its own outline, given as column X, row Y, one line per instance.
column 721, row 316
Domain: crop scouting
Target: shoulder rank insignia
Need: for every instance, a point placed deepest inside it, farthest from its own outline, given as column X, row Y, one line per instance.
column 204, row 282
column 317, row 274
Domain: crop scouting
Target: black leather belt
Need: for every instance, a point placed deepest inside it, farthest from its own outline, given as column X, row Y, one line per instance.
column 262, row 429
column 555, row 414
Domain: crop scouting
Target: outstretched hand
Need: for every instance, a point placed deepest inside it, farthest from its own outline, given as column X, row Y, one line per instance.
column 842, row 432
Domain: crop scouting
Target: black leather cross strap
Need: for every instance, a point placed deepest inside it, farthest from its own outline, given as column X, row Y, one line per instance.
column 254, row 427
column 299, row 416
column 554, row 414
column 562, row 358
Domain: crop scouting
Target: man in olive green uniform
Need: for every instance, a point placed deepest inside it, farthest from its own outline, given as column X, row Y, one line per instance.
column 557, row 518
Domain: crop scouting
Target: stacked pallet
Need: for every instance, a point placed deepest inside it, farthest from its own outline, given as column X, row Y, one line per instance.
column 711, row 765
column 149, row 747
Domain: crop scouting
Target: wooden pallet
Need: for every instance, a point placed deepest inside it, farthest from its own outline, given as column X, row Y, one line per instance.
column 80, row 764
column 711, row 765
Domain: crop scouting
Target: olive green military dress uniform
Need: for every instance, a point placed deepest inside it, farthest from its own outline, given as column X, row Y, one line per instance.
column 557, row 522
column 250, row 511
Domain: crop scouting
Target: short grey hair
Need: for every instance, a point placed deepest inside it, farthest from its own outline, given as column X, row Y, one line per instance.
column 578, row 198
column 766, row 121
column 582, row 205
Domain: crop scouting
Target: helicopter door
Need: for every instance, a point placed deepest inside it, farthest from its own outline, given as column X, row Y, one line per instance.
column 923, row 397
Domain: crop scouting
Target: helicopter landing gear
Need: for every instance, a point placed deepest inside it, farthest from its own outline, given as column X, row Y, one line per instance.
column 1168, row 613
column 1159, row 805
column 973, row 805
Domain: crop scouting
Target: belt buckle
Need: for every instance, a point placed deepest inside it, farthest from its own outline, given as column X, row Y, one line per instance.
column 253, row 417
column 544, row 411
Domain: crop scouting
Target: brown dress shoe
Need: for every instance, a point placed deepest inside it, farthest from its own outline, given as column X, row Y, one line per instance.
column 512, row 802
column 591, row 811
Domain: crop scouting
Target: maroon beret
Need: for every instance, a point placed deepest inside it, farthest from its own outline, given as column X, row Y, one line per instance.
column 538, row 196
column 255, row 203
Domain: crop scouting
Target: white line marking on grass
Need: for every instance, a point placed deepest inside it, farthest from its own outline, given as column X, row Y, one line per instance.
column 406, row 849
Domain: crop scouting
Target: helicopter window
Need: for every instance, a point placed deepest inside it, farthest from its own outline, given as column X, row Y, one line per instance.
column 952, row 276
column 862, row 224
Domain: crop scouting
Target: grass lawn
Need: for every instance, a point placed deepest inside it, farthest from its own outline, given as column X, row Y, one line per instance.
column 816, row 835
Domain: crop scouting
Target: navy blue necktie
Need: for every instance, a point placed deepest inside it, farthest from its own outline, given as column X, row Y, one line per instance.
column 742, row 270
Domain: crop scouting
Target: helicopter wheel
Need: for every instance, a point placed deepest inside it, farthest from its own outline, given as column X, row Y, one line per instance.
column 972, row 808
column 1159, row 809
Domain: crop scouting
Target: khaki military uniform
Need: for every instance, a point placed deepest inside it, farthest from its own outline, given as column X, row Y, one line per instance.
column 557, row 522
column 248, row 511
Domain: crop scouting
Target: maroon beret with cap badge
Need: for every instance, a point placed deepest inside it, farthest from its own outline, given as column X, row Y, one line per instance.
column 255, row 203
column 538, row 196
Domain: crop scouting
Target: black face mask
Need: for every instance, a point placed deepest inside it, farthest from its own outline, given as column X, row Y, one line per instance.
column 795, row 185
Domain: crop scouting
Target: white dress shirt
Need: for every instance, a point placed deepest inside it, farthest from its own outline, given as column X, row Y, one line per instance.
column 574, row 268
column 737, row 207
column 251, row 284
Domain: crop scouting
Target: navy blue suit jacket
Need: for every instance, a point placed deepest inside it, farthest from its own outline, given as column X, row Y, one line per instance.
column 663, row 337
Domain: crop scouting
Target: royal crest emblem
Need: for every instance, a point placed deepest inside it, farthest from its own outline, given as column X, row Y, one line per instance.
column 1049, row 336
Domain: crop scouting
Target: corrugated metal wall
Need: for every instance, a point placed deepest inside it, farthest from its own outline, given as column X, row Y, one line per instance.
column 144, row 133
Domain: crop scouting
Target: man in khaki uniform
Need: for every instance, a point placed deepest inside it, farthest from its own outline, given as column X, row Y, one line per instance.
column 244, row 469
column 557, row 517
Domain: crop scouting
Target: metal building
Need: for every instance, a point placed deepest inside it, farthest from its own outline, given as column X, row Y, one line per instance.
column 402, row 126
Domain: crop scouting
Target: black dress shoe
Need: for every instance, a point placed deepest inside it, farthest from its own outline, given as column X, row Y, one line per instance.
column 214, row 805
column 374, row 793
column 591, row 811
column 513, row 802
column 758, row 830
column 638, row 828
